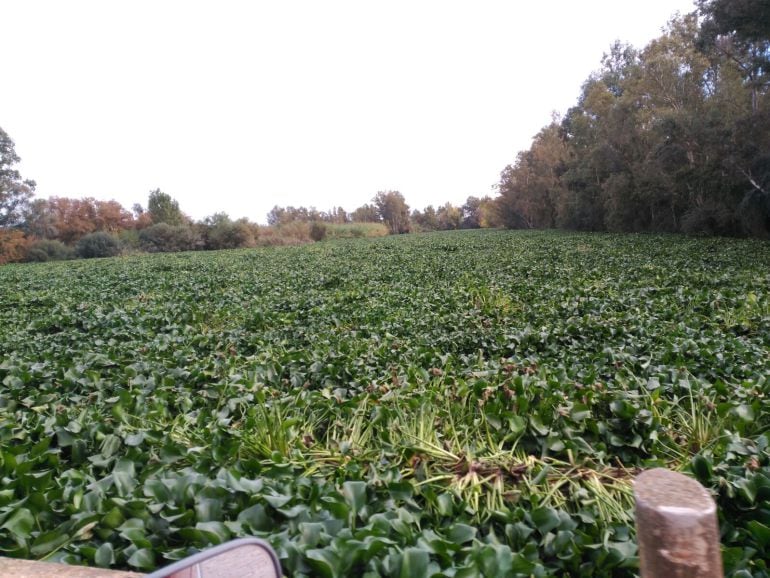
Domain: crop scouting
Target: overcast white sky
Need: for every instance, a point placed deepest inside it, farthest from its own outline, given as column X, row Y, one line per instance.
column 237, row 106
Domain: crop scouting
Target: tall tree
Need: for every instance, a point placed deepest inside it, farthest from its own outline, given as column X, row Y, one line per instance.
column 426, row 220
column 15, row 192
column 72, row 219
column 164, row 209
column 675, row 137
column 39, row 220
column 449, row 217
column 366, row 213
column 472, row 213
column 393, row 211
column 531, row 189
column 740, row 30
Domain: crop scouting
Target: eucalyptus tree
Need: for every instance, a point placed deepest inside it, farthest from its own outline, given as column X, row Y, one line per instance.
column 393, row 211
column 164, row 209
column 15, row 192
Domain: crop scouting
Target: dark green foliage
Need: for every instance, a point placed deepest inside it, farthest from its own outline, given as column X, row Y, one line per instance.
column 49, row 250
column 710, row 219
column 97, row 245
column 748, row 19
column 671, row 138
column 469, row 403
column 164, row 209
column 222, row 233
column 165, row 238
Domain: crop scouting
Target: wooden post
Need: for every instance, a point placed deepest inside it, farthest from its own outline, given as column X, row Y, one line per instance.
column 676, row 527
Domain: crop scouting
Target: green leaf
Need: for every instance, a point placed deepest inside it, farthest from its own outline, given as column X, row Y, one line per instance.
column 209, row 509
column 760, row 533
column 545, row 519
column 311, row 533
column 580, row 412
column 20, row 523
column 113, row 518
column 136, row 536
column 48, row 542
column 445, row 504
column 105, row 555
column 110, row 445
column 256, row 517
column 414, row 563
column 143, row 559
column 623, row 409
column 538, row 426
column 702, row 468
column 517, row 424
column 520, row 565
column 744, row 412
column 461, row 533
column 355, row 495
column 496, row 560
column 277, row 500
column 747, row 489
column 135, row 439
column 325, row 562
column 217, row 532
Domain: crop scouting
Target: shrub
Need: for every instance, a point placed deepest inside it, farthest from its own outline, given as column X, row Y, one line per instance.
column 294, row 233
column 317, row 231
column 230, row 235
column 13, row 245
column 356, row 230
column 129, row 240
column 165, row 238
column 709, row 219
column 97, row 245
column 49, row 250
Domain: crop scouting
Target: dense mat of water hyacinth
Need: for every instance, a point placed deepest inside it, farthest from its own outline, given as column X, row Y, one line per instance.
column 465, row 403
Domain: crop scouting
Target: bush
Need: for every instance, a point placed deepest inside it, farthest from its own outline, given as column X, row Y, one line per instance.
column 229, row 236
column 356, row 230
column 709, row 219
column 13, row 245
column 165, row 238
column 97, row 245
column 129, row 240
column 49, row 250
column 294, row 233
column 317, row 231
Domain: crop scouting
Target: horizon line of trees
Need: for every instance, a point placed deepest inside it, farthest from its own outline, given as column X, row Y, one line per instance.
column 390, row 208
column 671, row 138
column 61, row 228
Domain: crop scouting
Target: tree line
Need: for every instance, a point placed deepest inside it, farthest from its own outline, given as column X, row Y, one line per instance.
column 391, row 209
column 674, row 137
column 60, row 228
column 63, row 228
